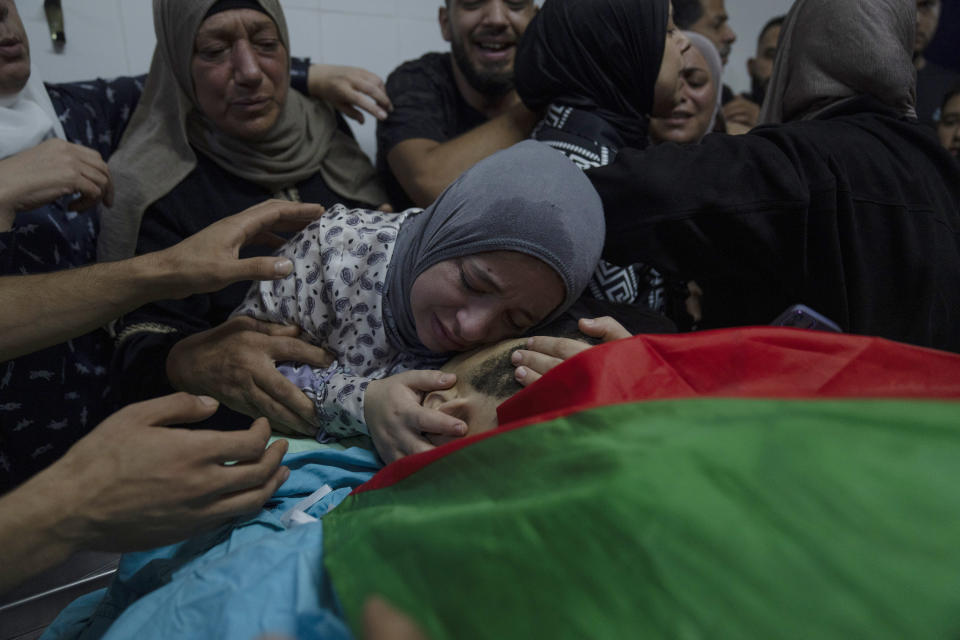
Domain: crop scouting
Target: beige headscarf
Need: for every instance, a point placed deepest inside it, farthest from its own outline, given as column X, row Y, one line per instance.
column 831, row 50
column 155, row 154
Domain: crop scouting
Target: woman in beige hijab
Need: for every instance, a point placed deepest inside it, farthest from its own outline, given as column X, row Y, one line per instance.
column 216, row 131
column 846, row 204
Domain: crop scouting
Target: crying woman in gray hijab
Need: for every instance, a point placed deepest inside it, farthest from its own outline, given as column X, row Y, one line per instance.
column 505, row 249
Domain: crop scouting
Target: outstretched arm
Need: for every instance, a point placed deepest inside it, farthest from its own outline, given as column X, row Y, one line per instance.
column 425, row 167
column 133, row 483
column 45, row 309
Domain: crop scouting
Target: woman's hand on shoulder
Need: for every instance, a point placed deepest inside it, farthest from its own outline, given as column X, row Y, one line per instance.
column 397, row 420
column 545, row 352
column 349, row 89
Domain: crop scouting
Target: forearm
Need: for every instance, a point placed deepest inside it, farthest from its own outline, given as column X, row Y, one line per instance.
column 425, row 176
column 37, row 311
column 34, row 529
column 746, row 216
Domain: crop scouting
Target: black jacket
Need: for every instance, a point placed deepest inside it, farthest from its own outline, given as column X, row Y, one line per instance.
column 855, row 213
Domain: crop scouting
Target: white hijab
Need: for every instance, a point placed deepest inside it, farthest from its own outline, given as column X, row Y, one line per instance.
column 714, row 66
column 27, row 118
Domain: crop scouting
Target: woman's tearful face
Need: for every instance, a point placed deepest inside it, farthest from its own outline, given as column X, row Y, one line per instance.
column 462, row 303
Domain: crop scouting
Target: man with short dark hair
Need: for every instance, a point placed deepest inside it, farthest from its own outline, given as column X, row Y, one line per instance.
column 708, row 18
column 760, row 67
column 933, row 80
column 454, row 109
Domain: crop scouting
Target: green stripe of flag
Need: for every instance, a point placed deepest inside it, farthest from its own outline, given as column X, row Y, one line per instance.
column 675, row 519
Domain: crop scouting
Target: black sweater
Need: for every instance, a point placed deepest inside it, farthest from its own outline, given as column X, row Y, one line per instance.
column 855, row 213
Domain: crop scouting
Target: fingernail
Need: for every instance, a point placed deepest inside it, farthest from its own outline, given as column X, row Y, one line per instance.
column 207, row 400
column 516, row 358
column 446, row 378
column 521, row 373
column 283, row 267
column 286, row 474
column 529, row 343
column 461, row 429
column 587, row 321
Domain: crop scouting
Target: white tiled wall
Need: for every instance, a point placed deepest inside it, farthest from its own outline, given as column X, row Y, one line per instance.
column 107, row 38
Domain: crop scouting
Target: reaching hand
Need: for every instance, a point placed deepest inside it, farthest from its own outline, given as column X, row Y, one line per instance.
column 544, row 353
column 209, row 259
column 742, row 112
column 53, row 169
column 133, row 483
column 236, row 363
column 396, row 419
column 350, row 89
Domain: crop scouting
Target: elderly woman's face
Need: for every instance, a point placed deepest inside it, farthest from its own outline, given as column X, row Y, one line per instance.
column 240, row 74
column 690, row 119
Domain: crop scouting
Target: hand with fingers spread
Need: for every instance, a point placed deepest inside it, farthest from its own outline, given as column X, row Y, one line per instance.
column 208, row 260
column 133, row 483
column 52, row 169
column 544, row 352
column 397, row 420
column 236, row 363
column 350, row 89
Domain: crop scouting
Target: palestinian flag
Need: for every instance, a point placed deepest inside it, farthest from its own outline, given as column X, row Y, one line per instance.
column 747, row 483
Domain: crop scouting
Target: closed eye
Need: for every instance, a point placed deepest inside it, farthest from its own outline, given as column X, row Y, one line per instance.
column 466, row 281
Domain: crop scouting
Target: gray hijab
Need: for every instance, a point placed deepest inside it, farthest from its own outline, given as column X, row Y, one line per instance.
column 528, row 198
column 157, row 149
column 831, row 50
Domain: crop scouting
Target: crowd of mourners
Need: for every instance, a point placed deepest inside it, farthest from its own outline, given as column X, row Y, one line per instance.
column 207, row 247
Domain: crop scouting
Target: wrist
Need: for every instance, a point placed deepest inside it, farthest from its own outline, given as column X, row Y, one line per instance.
column 8, row 208
column 308, row 79
column 159, row 276
column 50, row 512
column 175, row 369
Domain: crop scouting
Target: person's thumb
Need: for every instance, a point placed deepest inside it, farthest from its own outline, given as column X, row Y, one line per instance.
column 177, row 408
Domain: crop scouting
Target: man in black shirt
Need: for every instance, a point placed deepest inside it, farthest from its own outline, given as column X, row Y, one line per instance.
column 453, row 109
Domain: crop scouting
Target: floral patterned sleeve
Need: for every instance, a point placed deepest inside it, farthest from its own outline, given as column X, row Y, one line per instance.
column 334, row 295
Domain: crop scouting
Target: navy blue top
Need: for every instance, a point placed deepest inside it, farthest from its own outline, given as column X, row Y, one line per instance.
column 51, row 398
